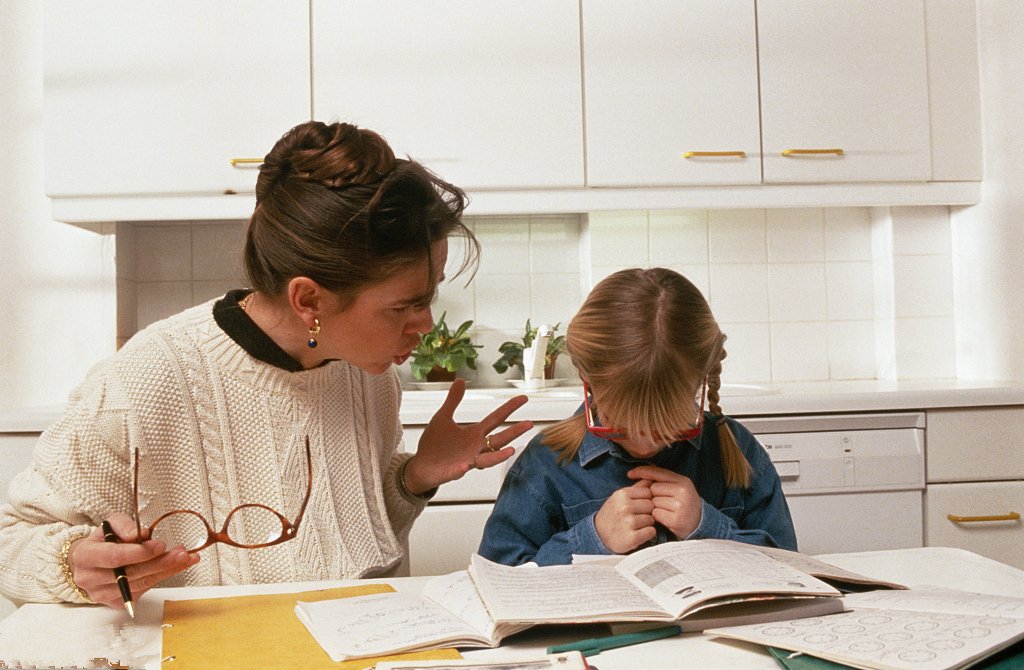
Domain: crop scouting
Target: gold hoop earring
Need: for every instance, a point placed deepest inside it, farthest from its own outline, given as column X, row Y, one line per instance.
column 314, row 330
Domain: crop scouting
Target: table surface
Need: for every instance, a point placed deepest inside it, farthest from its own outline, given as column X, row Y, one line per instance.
column 79, row 627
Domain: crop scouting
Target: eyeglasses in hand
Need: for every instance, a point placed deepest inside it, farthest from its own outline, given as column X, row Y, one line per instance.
column 242, row 521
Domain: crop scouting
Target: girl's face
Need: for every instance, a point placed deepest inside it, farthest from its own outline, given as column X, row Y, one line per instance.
column 385, row 322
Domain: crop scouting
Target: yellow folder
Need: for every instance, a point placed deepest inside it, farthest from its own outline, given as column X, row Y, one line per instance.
column 259, row 631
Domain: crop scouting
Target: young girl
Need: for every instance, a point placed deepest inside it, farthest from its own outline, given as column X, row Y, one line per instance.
column 641, row 463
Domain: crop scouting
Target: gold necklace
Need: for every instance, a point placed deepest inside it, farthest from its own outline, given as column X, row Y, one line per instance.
column 244, row 303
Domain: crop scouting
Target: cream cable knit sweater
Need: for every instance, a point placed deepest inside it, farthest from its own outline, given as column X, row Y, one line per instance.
column 216, row 428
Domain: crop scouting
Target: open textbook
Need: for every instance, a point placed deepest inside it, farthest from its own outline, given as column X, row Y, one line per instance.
column 923, row 629
column 696, row 584
column 448, row 613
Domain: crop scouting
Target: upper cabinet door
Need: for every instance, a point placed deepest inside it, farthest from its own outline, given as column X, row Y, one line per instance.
column 841, row 75
column 158, row 98
column 671, row 92
column 484, row 92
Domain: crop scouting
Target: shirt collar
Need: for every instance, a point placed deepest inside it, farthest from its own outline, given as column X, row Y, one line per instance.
column 233, row 320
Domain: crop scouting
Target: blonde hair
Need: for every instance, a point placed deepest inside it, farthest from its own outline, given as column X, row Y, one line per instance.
column 645, row 341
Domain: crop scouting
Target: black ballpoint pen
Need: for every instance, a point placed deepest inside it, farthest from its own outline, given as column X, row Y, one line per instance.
column 119, row 573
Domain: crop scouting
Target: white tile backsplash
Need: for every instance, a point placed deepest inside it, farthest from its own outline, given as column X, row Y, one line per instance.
column 923, row 286
column 795, row 235
column 678, row 237
column 796, row 292
column 737, row 236
column 619, row 239
column 799, row 351
column 849, row 291
column 739, row 292
column 847, row 234
column 851, row 350
column 802, row 294
column 163, row 253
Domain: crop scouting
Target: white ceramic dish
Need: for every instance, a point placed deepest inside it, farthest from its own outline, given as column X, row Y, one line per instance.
column 537, row 384
column 431, row 386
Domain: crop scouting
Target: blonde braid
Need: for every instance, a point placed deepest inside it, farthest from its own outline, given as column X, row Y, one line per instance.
column 735, row 466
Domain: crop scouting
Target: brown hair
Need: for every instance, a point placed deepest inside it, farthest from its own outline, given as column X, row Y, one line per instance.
column 335, row 205
column 645, row 341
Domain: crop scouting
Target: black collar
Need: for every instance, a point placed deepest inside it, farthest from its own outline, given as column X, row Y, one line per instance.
column 233, row 320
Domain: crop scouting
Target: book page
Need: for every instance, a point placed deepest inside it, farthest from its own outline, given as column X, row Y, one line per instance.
column 382, row 624
column 934, row 599
column 457, row 594
column 821, row 569
column 559, row 594
column 683, row 575
column 888, row 639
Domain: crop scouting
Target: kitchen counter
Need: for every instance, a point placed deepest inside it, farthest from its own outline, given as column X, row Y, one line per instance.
column 747, row 400
column 738, row 400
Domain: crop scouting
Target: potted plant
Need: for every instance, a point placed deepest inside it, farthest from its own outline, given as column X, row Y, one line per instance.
column 512, row 352
column 441, row 352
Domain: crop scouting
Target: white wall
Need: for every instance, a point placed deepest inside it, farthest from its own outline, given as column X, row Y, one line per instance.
column 987, row 238
column 804, row 295
column 58, row 281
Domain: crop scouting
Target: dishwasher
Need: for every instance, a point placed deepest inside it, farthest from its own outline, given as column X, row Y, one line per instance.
column 853, row 482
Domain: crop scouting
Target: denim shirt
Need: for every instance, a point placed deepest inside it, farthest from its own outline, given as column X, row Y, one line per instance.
column 545, row 510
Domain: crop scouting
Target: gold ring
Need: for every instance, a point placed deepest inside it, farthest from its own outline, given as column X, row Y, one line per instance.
column 487, row 443
column 475, row 464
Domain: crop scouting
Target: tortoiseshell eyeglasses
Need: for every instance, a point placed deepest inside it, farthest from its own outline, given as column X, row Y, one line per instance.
column 245, row 521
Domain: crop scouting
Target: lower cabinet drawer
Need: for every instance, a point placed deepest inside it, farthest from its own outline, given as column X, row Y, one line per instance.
column 988, row 519
column 444, row 538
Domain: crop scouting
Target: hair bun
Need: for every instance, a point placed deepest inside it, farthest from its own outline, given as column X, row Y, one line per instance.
column 335, row 156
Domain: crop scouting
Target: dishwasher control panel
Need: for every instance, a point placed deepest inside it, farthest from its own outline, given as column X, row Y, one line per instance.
column 822, row 454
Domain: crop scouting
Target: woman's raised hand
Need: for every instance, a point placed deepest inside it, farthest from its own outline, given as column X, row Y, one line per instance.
column 447, row 451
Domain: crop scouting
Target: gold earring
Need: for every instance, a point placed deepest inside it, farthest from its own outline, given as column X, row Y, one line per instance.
column 314, row 330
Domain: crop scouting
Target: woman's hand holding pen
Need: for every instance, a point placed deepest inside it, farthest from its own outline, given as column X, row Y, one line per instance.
column 92, row 561
column 447, row 451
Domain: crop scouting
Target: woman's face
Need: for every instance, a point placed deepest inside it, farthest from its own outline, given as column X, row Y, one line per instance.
column 384, row 323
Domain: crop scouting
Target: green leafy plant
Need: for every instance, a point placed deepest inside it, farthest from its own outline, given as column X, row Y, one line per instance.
column 444, row 349
column 512, row 352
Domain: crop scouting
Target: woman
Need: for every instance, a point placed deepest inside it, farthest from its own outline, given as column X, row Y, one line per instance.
column 283, row 400
column 641, row 463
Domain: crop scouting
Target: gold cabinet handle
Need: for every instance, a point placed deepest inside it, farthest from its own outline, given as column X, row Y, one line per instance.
column 1012, row 516
column 704, row 154
column 811, row 152
column 245, row 161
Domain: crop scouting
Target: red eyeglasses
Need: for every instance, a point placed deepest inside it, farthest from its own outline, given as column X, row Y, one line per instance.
column 245, row 521
column 615, row 434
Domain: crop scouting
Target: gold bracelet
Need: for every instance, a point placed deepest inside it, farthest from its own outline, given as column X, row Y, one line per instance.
column 65, row 568
column 404, row 489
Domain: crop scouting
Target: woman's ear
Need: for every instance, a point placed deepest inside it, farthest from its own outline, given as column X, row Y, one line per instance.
column 306, row 298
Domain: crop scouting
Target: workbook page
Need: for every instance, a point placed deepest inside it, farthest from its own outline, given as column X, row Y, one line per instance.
column 560, row 594
column 887, row 639
column 681, row 575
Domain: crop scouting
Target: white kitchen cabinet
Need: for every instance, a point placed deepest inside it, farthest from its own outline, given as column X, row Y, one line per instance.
column 983, row 517
column 671, row 92
column 157, row 98
column 974, row 498
column 844, row 76
column 485, row 93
